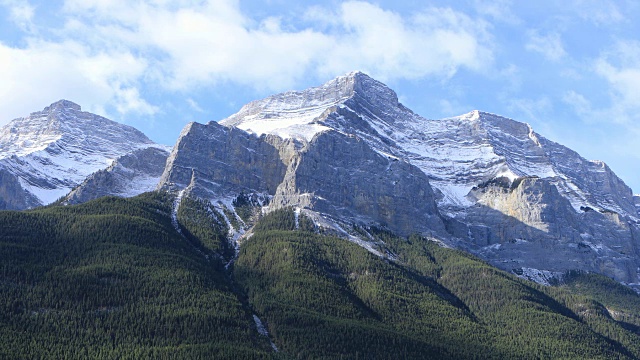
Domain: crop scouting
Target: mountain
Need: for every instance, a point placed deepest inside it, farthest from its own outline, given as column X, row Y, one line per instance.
column 331, row 222
column 348, row 153
column 46, row 154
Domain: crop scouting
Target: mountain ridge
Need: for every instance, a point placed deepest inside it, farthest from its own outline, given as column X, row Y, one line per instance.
column 324, row 223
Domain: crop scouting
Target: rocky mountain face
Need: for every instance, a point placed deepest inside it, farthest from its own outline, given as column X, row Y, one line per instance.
column 335, row 175
column 350, row 153
column 46, row 154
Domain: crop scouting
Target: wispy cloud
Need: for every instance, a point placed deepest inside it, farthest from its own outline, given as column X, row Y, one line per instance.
column 600, row 12
column 498, row 10
column 549, row 45
column 44, row 71
column 194, row 105
column 434, row 42
column 620, row 68
column 21, row 13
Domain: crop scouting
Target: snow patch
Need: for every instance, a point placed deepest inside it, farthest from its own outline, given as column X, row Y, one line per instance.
column 362, row 243
column 234, row 234
column 54, row 150
column 139, row 185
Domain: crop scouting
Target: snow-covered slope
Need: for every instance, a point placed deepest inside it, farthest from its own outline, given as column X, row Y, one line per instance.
column 51, row 151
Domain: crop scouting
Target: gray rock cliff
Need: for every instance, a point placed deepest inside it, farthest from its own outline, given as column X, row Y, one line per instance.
column 334, row 174
column 217, row 162
column 12, row 195
column 342, row 176
column 348, row 153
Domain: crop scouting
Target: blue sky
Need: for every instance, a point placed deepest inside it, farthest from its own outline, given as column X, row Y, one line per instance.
column 569, row 68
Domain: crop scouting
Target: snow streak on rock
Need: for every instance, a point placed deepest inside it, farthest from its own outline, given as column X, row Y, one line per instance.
column 542, row 277
column 457, row 153
column 174, row 211
column 262, row 330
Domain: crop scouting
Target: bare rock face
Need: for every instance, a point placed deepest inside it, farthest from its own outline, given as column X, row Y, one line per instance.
column 342, row 176
column 336, row 175
column 216, row 162
column 12, row 195
column 129, row 175
column 527, row 224
column 349, row 153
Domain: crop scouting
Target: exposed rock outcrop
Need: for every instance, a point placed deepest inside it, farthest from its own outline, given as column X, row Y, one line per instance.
column 507, row 193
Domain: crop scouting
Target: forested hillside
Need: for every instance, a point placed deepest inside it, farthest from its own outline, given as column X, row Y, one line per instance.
column 113, row 278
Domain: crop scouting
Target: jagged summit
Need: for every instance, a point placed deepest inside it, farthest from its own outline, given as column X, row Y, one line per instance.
column 347, row 153
column 65, row 121
column 326, row 95
column 496, row 179
column 63, row 104
column 301, row 114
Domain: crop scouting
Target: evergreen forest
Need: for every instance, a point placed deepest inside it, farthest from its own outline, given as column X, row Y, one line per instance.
column 115, row 279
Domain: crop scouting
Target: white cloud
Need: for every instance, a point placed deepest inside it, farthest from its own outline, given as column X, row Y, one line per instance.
column 620, row 68
column 44, row 72
column 549, row 45
column 21, row 13
column 110, row 52
column 434, row 42
column 190, row 44
column 214, row 41
column 600, row 12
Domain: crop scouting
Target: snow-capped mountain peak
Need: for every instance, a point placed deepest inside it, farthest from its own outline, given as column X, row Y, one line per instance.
column 51, row 151
column 300, row 114
column 456, row 153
